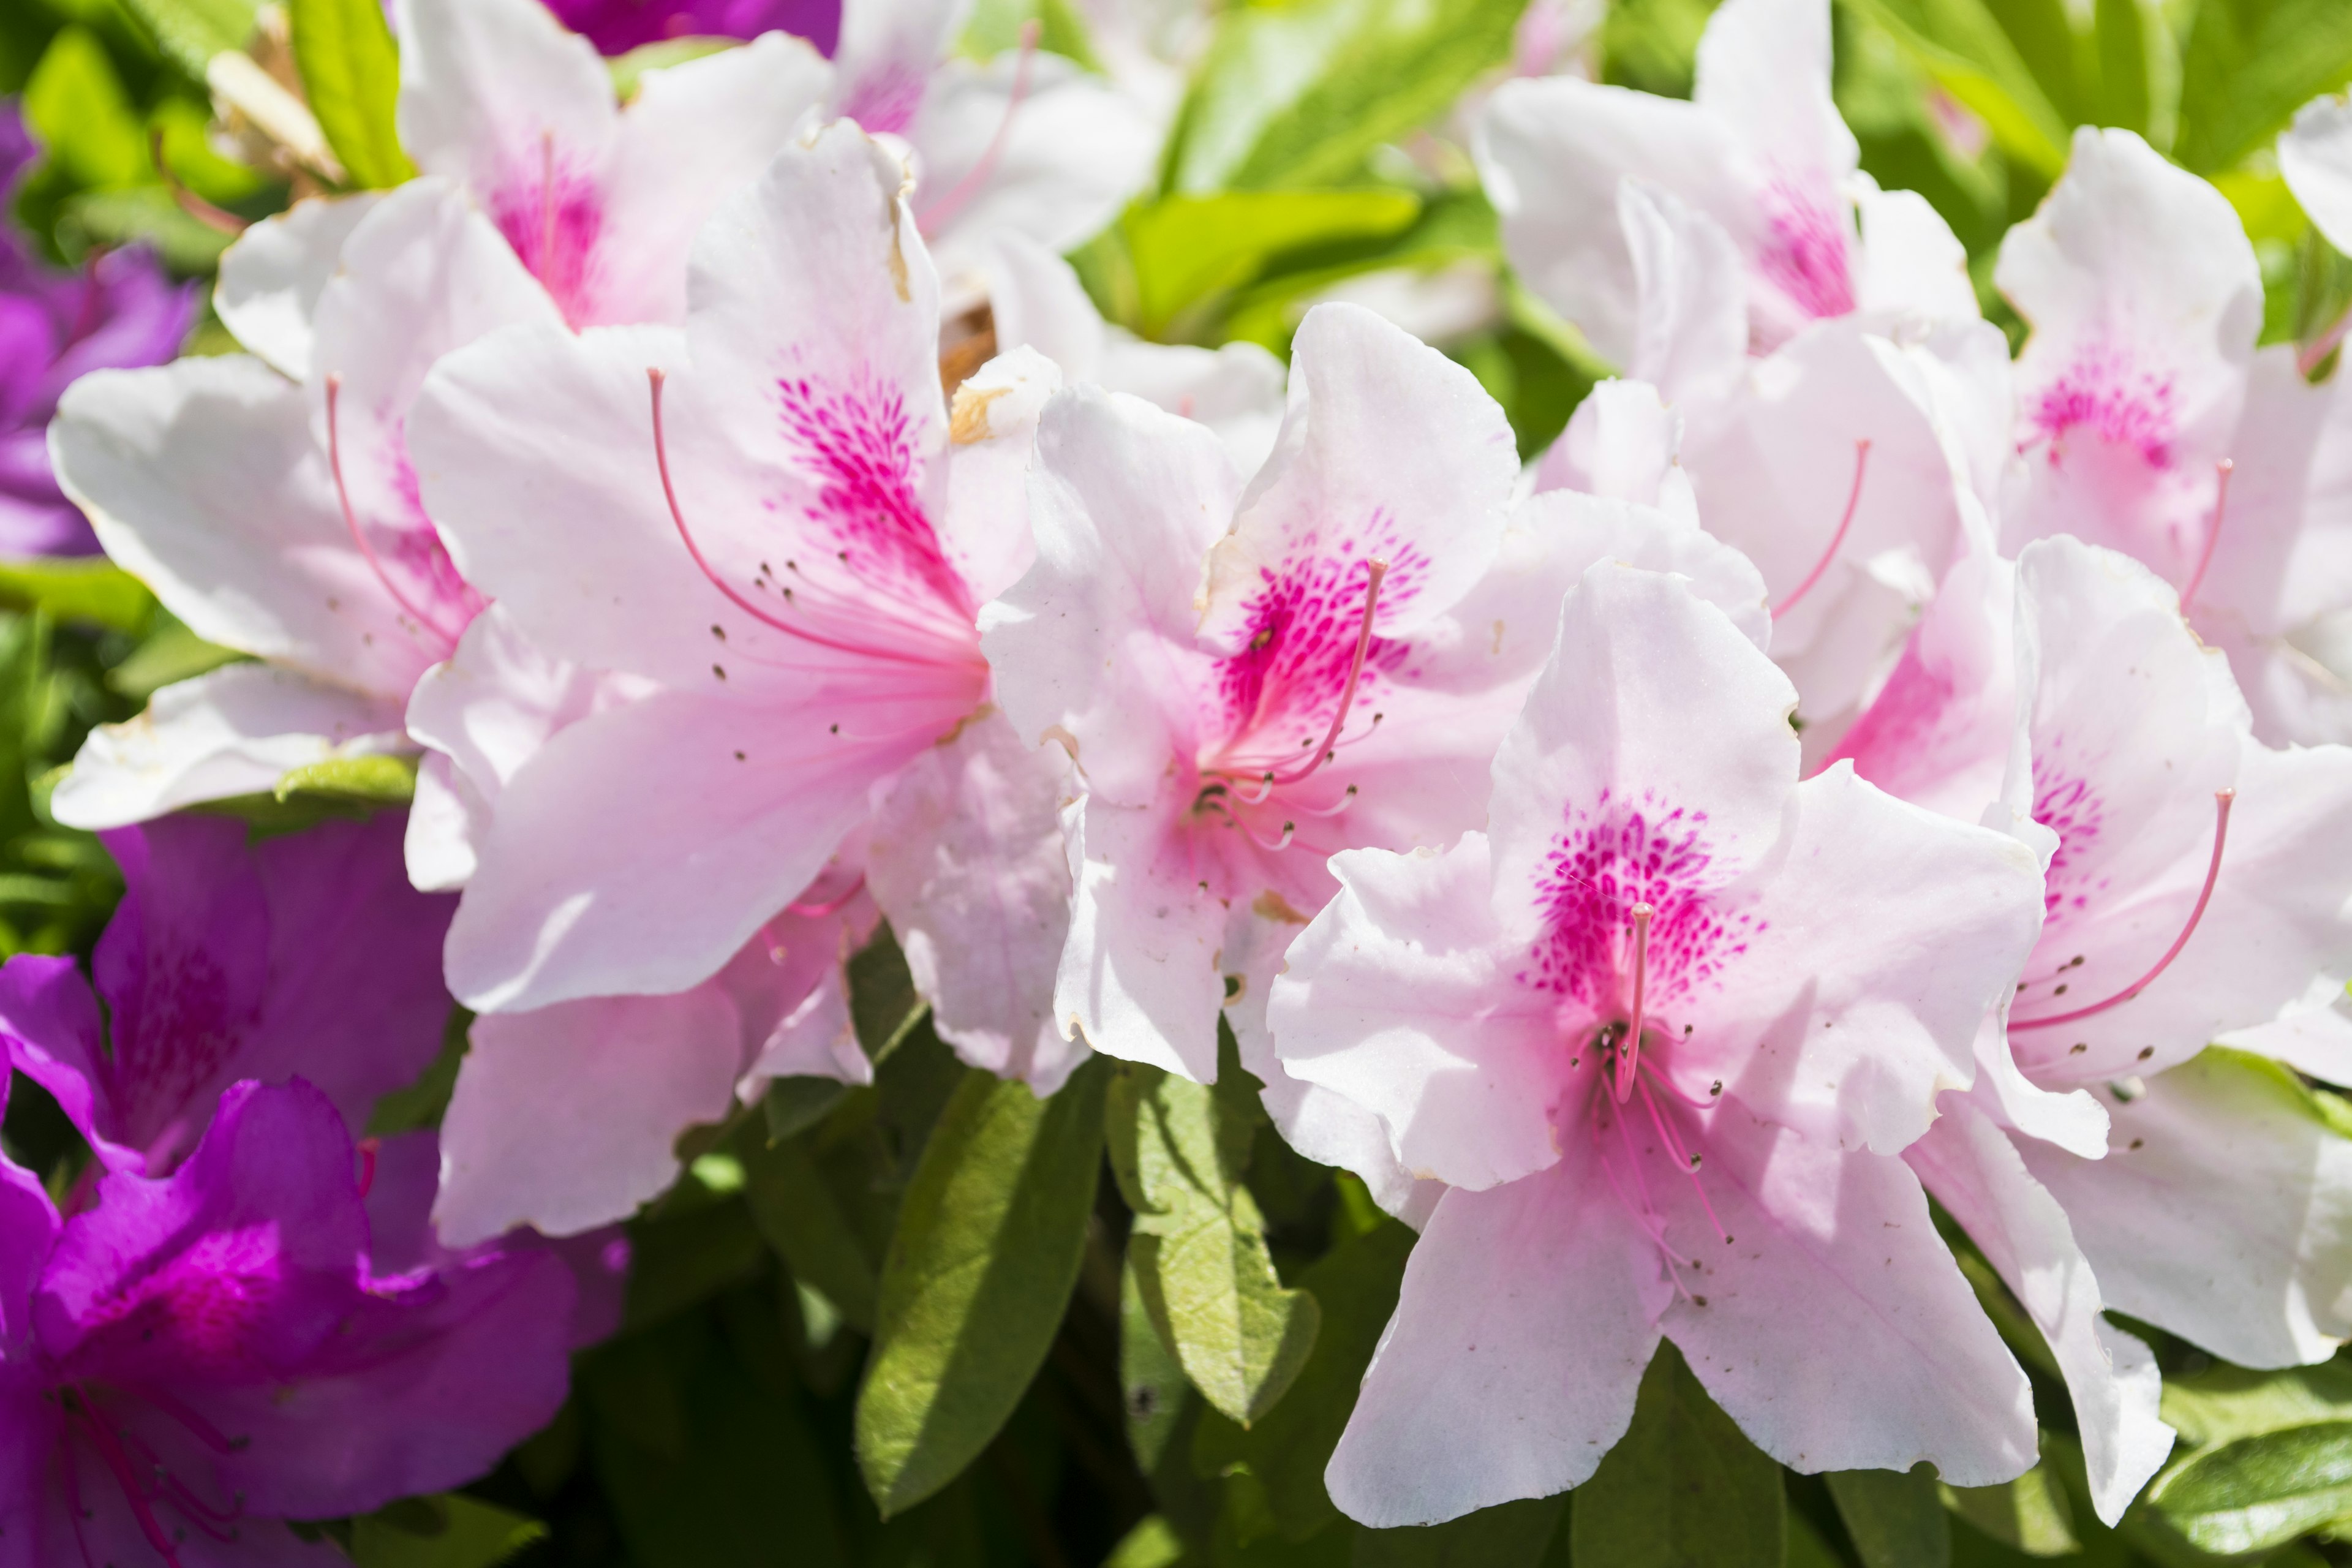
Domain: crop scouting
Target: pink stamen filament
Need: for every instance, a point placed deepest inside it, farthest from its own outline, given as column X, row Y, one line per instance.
column 819, row 910
column 1656, row 1074
column 367, row 1150
column 656, row 378
column 1629, row 1049
column 1685, row 1160
column 1289, row 830
column 110, row 1454
column 2222, row 470
column 352, row 519
column 1853, row 499
column 1376, row 569
column 1346, row 800
column 2221, row 801
column 953, row 200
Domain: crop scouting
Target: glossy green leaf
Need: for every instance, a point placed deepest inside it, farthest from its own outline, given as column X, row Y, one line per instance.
column 2259, row 1492
column 1355, row 1284
column 191, row 32
column 86, row 588
column 373, row 779
column 2248, row 66
column 1895, row 1517
column 981, row 1266
column 450, row 1531
column 1299, row 94
column 1683, row 1489
column 2030, row 1514
column 1511, row 1535
column 1187, row 249
column 1198, row 1245
column 351, row 72
column 2222, row 1403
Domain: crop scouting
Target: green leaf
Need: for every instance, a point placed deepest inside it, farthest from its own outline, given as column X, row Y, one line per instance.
column 1894, row 1517
column 1683, row 1489
column 1356, row 1284
column 2255, row 1493
column 797, row 1211
column 1198, row 1245
column 793, row 1104
column 351, row 72
column 1512, row 1535
column 2030, row 1513
column 2248, row 66
column 87, row 588
column 422, row 1102
column 78, row 109
column 141, row 214
column 986, row 1253
column 1187, row 249
column 2222, row 1403
column 171, row 652
column 1299, row 94
column 371, row 778
column 995, row 27
column 2124, row 87
column 1963, row 45
column 628, row 70
column 687, row 1252
column 450, row 1531
column 191, row 32
column 1151, row 1383
column 1152, row 1543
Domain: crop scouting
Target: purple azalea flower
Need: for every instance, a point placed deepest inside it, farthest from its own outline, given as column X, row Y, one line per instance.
column 120, row 311
column 227, row 960
column 616, row 26
column 190, row 1361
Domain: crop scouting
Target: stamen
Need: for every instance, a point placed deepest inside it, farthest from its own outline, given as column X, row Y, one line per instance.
column 1629, row 1051
column 1853, row 499
column 656, row 378
column 2221, row 801
column 953, row 200
column 1289, row 830
column 1658, row 1076
column 777, row 951
column 111, row 1455
column 2222, row 471
column 1687, row 1161
column 829, row 906
column 1376, row 568
column 1342, row 804
column 351, row 520
column 367, row 1149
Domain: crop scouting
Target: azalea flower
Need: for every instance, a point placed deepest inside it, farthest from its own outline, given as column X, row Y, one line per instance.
column 1251, row 678
column 616, row 26
column 1664, row 1030
column 2148, row 421
column 121, row 310
column 192, row 1360
column 794, row 595
column 2192, row 895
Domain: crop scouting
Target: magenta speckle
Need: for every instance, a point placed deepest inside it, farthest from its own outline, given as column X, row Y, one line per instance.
column 1606, row 861
column 207, row 1310
column 857, row 446
column 2105, row 392
column 551, row 213
column 1804, row 251
column 2068, row 806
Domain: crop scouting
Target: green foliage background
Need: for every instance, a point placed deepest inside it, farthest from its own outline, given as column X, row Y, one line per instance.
column 936, row 1322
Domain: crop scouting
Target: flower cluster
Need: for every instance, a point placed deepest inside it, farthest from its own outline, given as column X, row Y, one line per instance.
column 1856, row 765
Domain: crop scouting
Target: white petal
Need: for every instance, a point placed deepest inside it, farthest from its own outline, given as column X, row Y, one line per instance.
column 2314, row 154
column 1690, row 338
column 270, row 280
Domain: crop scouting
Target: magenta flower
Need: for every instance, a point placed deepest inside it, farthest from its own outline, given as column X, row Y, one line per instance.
column 120, row 311
column 616, row 26
column 1663, row 1031
column 192, row 1361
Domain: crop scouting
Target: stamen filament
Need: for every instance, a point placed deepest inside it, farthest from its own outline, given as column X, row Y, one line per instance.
column 656, row 378
column 2221, row 801
column 953, row 200
column 2223, row 470
column 1853, row 499
column 1629, row 1050
column 1289, row 830
column 367, row 1149
column 819, row 910
column 111, row 1455
column 1376, row 568
column 352, row 519
column 1687, row 1161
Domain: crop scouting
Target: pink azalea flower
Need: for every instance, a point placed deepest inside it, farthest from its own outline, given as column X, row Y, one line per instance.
column 2149, row 422
column 1664, row 1030
column 2192, row 895
column 197, row 1358
column 775, row 531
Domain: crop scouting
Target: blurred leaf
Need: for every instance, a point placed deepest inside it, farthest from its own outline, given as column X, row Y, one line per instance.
column 1152, row 1543
column 1512, row 1535
column 1651, row 45
column 142, row 215
column 2123, row 51
column 192, row 31
column 883, row 1004
column 1198, row 1245
column 373, row 779
column 171, row 652
column 1355, row 1284
column 1299, row 94
column 1964, row 45
column 77, row 109
column 1683, row 1489
column 793, row 1104
column 1186, row 249
column 188, row 151
column 995, row 27
column 87, row 588
column 687, row 1252
column 797, row 1212
column 1805, row 1546
column 1894, row 1517
column 979, row 1272
column 2248, row 66
column 450, row 1531
column 628, row 70
column 2030, row 1513
column 422, row 1102
column 351, row 72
